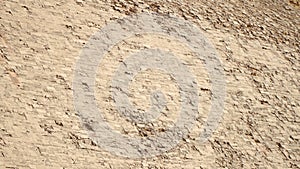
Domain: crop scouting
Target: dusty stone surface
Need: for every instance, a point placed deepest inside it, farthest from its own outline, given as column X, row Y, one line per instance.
column 258, row 45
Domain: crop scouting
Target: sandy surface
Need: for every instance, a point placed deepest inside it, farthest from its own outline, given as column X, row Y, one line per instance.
column 257, row 42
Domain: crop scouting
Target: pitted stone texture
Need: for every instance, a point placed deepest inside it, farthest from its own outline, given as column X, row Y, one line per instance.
column 258, row 42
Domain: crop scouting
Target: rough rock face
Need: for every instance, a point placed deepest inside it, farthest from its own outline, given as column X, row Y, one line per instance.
column 257, row 41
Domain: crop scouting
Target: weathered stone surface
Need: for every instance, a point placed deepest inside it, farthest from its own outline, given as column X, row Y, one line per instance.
column 258, row 45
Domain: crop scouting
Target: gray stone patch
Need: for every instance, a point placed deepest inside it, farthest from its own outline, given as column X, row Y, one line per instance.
column 103, row 40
